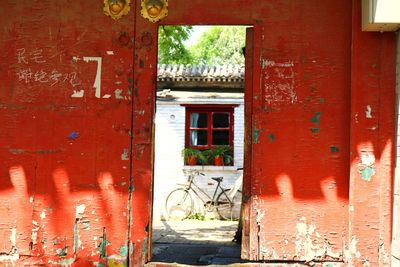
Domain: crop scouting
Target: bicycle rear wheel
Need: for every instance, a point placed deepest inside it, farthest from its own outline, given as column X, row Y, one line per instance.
column 179, row 204
column 229, row 210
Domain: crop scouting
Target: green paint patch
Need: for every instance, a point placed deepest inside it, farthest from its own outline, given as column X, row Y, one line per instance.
column 123, row 251
column 334, row 149
column 367, row 173
column 62, row 252
column 256, row 135
column 131, row 188
column 102, row 246
column 144, row 246
column 314, row 130
column 316, row 119
column 322, row 100
column 271, row 137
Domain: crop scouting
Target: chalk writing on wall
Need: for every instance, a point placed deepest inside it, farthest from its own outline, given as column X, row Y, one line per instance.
column 32, row 68
column 278, row 83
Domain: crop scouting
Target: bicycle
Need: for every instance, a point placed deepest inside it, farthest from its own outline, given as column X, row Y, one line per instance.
column 179, row 203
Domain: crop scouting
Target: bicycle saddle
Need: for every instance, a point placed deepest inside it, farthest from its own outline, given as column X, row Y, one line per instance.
column 218, row 179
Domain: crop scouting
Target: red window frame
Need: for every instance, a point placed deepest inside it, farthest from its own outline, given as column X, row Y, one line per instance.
column 209, row 109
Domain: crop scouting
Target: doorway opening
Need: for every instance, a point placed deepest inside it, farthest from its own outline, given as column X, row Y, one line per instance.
column 199, row 145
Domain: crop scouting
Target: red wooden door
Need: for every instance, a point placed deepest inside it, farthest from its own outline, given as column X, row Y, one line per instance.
column 295, row 205
column 299, row 197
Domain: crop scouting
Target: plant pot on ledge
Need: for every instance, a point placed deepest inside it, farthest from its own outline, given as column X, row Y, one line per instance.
column 221, row 155
column 192, row 156
column 218, row 161
column 191, row 160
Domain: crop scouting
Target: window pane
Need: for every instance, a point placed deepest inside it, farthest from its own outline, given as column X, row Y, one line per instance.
column 198, row 138
column 220, row 137
column 198, row 120
column 220, row 120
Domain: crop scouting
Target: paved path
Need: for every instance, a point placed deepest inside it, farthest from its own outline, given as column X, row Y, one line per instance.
column 195, row 242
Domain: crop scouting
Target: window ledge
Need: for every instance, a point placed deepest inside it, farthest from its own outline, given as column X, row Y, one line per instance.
column 211, row 168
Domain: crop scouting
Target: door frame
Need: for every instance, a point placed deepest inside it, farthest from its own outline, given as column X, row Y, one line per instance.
column 248, row 137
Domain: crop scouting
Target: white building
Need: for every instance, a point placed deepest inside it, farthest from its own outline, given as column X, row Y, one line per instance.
column 215, row 90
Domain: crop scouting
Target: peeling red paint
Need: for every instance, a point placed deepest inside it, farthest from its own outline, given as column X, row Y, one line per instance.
column 77, row 93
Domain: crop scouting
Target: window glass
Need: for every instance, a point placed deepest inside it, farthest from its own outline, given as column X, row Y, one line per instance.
column 198, row 120
column 220, row 137
column 198, row 138
column 220, row 120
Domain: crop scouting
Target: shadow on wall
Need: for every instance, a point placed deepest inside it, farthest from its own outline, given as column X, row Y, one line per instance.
column 65, row 221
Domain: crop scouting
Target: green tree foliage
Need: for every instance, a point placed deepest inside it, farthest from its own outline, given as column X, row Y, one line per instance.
column 171, row 48
column 220, row 45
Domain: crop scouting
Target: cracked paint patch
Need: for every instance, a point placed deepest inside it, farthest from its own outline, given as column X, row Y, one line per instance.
column 352, row 251
column 271, row 137
column 368, row 112
column 78, row 94
column 124, row 155
column 34, row 234
column 13, row 255
column 316, row 120
column 118, row 93
column 63, row 262
column 256, row 135
column 123, row 250
column 310, row 245
column 43, row 215
column 334, row 149
column 367, row 169
column 76, row 238
column 103, row 244
column 79, row 210
column 62, row 252
column 367, row 173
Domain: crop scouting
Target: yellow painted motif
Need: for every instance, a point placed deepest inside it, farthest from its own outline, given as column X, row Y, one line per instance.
column 116, row 8
column 154, row 10
column 116, row 263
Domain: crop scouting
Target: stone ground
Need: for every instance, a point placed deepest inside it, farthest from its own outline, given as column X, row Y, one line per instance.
column 195, row 242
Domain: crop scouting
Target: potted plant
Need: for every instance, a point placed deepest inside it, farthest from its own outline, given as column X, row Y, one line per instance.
column 191, row 156
column 221, row 155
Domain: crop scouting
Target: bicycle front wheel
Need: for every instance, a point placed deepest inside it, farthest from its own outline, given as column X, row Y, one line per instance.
column 179, row 204
column 229, row 209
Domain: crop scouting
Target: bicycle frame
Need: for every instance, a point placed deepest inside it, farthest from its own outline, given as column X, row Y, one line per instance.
column 192, row 186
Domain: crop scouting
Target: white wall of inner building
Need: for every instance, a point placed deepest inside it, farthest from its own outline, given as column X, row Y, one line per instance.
column 169, row 142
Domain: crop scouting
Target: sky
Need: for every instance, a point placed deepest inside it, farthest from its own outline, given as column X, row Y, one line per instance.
column 196, row 33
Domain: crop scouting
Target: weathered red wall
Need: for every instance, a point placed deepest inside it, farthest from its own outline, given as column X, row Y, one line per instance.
column 76, row 171
column 65, row 161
